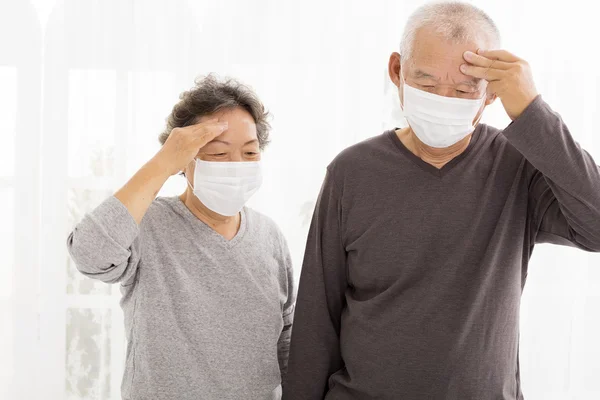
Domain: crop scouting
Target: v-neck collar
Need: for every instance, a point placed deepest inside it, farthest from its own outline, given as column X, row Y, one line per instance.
column 445, row 170
column 201, row 225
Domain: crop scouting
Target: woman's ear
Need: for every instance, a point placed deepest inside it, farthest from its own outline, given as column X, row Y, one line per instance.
column 188, row 171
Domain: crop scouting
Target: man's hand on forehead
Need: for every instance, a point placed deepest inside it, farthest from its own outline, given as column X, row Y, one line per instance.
column 509, row 78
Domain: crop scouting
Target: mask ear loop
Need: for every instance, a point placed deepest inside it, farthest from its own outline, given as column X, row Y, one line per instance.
column 482, row 108
column 189, row 184
column 401, row 75
column 403, row 80
column 186, row 177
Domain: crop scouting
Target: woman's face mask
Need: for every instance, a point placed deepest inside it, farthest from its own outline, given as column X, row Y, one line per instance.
column 227, row 171
column 225, row 187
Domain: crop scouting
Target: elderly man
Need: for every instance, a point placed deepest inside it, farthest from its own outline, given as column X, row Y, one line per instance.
column 419, row 245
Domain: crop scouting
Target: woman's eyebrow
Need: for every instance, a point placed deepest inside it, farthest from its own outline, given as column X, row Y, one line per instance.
column 228, row 143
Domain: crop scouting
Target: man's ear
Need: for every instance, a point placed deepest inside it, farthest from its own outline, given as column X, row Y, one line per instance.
column 394, row 67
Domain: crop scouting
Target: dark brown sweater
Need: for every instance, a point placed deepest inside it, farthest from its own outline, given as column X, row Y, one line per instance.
column 412, row 277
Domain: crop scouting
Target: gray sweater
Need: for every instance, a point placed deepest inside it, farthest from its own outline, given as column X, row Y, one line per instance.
column 412, row 277
column 205, row 318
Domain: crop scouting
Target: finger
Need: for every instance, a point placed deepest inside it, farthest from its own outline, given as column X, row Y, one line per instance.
column 203, row 135
column 206, row 123
column 209, row 135
column 209, row 127
column 203, row 141
column 488, row 74
column 481, row 61
column 194, row 126
column 501, row 55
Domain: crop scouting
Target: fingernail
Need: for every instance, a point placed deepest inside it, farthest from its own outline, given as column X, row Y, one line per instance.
column 469, row 54
column 463, row 67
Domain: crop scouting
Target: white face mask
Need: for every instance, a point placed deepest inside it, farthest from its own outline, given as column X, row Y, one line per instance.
column 439, row 121
column 225, row 187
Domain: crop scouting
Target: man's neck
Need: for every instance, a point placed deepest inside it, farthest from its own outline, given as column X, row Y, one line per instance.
column 431, row 155
column 225, row 226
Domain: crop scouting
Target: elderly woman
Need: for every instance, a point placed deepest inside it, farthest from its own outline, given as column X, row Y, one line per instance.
column 207, row 283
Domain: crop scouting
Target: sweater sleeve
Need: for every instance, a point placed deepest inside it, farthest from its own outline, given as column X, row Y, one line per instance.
column 105, row 245
column 315, row 347
column 564, row 189
column 283, row 345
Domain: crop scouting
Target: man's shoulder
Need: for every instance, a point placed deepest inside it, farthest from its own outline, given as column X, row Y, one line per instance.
column 360, row 153
column 491, row 132
column 495, row 141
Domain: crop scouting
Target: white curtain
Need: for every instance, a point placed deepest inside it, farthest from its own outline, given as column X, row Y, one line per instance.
column 85, row 87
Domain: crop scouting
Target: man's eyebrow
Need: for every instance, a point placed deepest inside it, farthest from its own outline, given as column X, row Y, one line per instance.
column 471, row 82
column 422, row 74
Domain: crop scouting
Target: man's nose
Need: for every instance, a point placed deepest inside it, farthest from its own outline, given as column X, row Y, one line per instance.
column 446, row 91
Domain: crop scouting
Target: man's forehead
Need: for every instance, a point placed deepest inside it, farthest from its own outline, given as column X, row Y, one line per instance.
column 443, row 74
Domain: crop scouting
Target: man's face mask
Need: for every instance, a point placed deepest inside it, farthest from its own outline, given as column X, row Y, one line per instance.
column 439, row 121
column 225, row 187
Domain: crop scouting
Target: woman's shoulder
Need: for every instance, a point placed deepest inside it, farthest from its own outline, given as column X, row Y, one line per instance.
column 165, row 202
column 163, row 211
column 267, row 234
column 262, row 223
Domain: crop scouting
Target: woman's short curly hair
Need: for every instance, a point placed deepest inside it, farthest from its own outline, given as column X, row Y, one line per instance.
column 210, row 95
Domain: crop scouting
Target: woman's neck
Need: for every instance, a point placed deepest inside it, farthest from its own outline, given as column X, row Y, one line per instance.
column 223, row 225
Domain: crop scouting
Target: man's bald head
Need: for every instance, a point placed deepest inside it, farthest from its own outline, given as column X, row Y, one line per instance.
column 454, row 21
